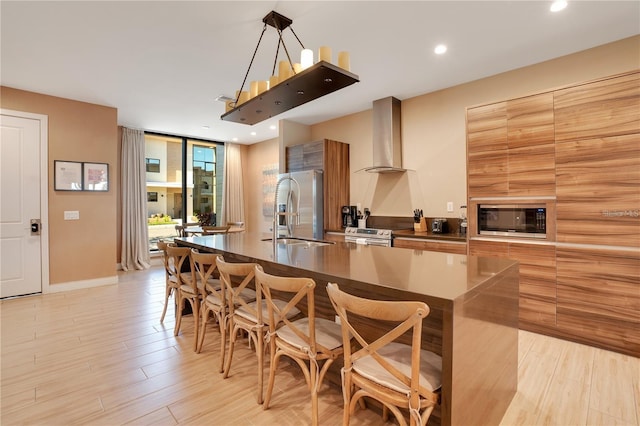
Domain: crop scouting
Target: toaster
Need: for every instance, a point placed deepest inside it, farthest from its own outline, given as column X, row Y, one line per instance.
column 439, row 226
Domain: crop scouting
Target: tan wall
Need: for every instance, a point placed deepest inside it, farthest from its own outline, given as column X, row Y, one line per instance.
column 433, row 131
column 258, row 156
column 82, row 249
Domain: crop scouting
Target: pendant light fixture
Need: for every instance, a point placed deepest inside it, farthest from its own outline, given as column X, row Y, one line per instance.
column 294, row 85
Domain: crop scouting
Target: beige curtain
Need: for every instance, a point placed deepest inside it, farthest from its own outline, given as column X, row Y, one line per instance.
column 135, row 234
column 232, row 186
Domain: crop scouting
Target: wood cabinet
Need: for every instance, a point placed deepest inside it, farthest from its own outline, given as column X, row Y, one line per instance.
column 510, row 148
column 333, row 158
column 599, row 297
column 537, row 279
column 431, row 245
column 578, row 148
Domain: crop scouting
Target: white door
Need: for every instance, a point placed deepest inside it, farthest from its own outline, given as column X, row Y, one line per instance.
column 20, row 181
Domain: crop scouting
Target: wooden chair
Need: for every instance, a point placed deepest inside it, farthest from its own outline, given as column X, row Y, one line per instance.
column 211, row 230
column 395, row 374
column 307, row 341
column 245, row 315
column 213, row 297
column 171, row 281
column 244, row 312
column 187, row 288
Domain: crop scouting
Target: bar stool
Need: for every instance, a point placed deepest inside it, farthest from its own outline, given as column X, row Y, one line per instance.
column 187, row 288
column 171, row 281
column 213, row 298
column 395, row 374
column 306, row 340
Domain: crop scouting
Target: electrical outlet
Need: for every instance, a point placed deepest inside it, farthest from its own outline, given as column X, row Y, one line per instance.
column 338, row 320
column 450, row 206
column 359, row 206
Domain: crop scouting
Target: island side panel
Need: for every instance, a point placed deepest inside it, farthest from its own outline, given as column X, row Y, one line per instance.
column 485, row 349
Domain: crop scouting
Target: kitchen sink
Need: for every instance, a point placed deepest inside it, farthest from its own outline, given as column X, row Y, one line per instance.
column 300, row 242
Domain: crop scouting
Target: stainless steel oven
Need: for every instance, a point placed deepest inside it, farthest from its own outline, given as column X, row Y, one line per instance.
column 521, row 220
column 368, row 236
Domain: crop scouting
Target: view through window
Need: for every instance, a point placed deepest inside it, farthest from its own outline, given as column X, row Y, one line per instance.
column 184, row 184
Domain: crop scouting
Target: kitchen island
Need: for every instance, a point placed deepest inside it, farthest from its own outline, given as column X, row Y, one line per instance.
column 473, row 322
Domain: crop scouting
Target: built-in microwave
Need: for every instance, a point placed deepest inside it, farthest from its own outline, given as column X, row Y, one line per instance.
column 521, row 220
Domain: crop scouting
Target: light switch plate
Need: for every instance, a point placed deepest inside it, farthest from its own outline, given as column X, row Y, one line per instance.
column 71, row 215
column 450, row 206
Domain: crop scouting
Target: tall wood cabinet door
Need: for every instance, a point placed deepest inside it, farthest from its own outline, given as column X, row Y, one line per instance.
column 530, row 136
column 487, row 150
column 599, row 297
column 604, row 108
column 336, row 183
column 537, row 284
column 598, row 191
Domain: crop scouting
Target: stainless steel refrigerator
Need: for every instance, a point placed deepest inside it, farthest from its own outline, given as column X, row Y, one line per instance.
column 299, row 203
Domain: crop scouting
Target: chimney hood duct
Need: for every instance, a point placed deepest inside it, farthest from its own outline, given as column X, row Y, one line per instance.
column 387, row 143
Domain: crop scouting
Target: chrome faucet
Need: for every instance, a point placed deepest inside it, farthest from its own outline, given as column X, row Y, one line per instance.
column 288, row 213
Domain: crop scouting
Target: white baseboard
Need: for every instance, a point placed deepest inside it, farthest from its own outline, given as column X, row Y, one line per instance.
column 77, row 285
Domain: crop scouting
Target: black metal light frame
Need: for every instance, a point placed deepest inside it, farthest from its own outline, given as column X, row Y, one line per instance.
column 312, row 83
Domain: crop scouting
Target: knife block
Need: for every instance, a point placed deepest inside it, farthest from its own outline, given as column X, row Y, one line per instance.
column 421, row 226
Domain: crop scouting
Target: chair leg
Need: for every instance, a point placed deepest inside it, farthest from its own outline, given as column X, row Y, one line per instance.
column 203, row 328
column 222, row 324
column 233, row 333
column 166, row 302
column 313, row 385
column 273, row 366
column 195, row 307
column 179, row 306
column 260, row 353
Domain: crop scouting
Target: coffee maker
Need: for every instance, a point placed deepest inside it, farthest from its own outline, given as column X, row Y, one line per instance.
column 349, row 216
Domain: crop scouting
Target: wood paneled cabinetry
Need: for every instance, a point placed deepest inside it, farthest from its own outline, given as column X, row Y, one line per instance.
column 510, row 148
column 598, row 162
column 537, row 279
column 333, row 158
column 431, row 245
column 585, row 286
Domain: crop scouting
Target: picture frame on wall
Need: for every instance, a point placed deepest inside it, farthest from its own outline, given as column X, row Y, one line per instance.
column 67, row 175
column 95, row 176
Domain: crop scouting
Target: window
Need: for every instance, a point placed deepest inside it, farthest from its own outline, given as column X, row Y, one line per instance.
column 187, row 184
column 153, row 165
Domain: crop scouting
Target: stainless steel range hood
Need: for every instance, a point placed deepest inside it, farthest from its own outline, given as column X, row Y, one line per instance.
column 387, row 143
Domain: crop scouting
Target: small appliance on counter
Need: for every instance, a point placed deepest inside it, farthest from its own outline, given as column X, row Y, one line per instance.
column 439, row 226
column 349, row 216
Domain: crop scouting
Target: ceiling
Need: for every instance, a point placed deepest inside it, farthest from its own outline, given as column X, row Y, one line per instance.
column 162, row 64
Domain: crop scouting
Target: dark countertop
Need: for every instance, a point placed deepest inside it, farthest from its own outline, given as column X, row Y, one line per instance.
column 427, row 235
column 442, row 276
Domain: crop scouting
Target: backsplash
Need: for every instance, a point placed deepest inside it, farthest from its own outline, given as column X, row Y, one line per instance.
column 404, row 222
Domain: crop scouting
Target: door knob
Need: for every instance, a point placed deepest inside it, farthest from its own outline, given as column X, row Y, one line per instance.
column 35, row 226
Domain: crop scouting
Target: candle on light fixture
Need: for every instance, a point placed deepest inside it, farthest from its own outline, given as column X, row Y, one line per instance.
column 244, row 97
column 273, row 81
column 306, row 58
column 324, row 54
column 344, row 61
column 253, row 91
column 297, row 68
column 284, row 70
column 263, row 85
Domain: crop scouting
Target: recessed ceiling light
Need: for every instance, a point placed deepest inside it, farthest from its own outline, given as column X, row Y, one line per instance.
column 205, row 127
column 440, row 49
column 253, row 133
column 272, row 127
column 558, row 5
column 235, row 139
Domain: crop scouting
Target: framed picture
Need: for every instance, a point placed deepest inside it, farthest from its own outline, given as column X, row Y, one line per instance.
column 96, row 176
column 67, row 175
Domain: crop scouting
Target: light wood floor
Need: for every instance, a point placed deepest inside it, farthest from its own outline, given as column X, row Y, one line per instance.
column 101, row 357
